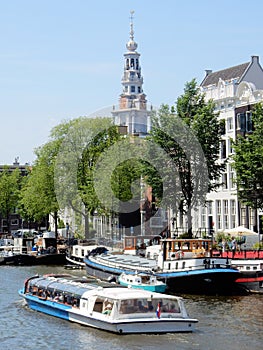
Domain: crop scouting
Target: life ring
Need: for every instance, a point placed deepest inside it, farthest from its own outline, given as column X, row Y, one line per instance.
column 179, row 254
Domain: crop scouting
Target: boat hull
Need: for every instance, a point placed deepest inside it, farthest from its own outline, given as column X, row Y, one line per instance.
column 208, row 282
column 252, row 282
column 30, row 259
column 148, row 326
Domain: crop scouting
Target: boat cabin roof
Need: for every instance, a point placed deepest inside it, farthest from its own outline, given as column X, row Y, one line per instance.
column 124, row 293
column 63, row 284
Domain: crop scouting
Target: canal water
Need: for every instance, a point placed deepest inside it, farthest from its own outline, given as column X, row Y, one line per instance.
column 225, row 323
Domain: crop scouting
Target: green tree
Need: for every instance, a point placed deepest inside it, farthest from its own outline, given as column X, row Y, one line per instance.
column 248, row 162
column 38, row 198
column 10, row 183
column 80, row 151
column 190, row 135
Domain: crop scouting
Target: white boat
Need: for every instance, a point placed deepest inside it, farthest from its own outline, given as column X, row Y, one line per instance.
column 76, row 252
column 110, row 308
column 143, row 281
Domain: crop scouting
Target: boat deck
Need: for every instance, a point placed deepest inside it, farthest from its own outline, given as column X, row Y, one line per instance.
column 129, row 260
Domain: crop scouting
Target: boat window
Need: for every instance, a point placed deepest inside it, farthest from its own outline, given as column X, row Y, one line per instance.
column 98, row 305
column 168, row 305
column 103, row 305
column 148, row 305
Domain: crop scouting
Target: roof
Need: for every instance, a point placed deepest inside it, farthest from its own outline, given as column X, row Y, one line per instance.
column 225, row 74
column 124, row 293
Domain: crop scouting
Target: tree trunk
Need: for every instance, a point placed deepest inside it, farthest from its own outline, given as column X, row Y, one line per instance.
column 56, row 223
column 86, row 224
column 189, row 223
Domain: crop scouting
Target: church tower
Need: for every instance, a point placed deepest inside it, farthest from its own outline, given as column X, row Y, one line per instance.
column 132, row 111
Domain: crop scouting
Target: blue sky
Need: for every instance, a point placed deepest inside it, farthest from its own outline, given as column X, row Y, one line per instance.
column 61, row 59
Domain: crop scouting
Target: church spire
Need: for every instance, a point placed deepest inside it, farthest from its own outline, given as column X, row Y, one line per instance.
column 132, row 110
column 131, row 44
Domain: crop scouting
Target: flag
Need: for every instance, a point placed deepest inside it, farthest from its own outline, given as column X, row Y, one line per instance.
column 158, row 310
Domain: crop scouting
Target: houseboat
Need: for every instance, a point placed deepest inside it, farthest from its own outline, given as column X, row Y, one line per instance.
column 250, row 265
column 110, row 308
column 251, row 274
column 185, row 265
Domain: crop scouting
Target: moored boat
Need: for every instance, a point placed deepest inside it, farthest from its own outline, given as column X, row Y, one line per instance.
column 76, row 252
column 143, row 281
column 111, row 307
column 249, row 263
column 187, row 266
column 251, row 274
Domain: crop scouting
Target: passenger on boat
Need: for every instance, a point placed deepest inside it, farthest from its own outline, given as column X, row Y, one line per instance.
column 107, row 310
column 150, row 306
column 233, row 246
column 42, row 294
column 141, row 307
column 173, row 309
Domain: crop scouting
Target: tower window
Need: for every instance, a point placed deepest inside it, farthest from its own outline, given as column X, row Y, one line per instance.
column 139, row 89
column 132, row 88
column 132, row 62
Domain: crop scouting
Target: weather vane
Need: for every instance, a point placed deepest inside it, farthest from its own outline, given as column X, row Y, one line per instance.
column 131, row 31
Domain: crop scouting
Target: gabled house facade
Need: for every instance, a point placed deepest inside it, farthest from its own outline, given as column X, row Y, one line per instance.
column 234, row 91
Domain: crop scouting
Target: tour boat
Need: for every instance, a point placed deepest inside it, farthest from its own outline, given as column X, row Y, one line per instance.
column 185, row 265
column 143, row 281
column 107, row 307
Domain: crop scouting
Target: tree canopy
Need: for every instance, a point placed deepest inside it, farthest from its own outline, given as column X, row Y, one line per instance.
column 248, row 162
column 190, row 134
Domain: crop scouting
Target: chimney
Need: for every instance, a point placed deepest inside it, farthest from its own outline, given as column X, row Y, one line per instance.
column 16, row 162
column 255, row 59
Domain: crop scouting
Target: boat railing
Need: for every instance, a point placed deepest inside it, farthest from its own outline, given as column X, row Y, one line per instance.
column 198, row 264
